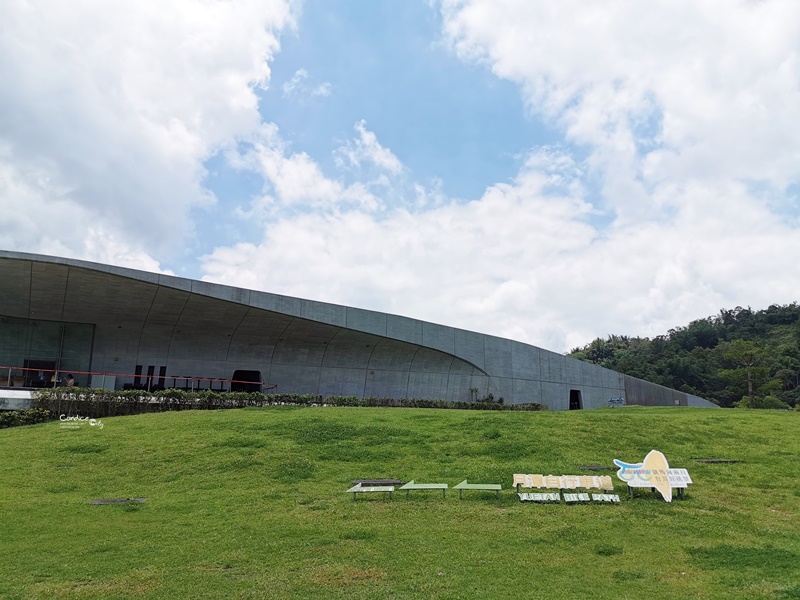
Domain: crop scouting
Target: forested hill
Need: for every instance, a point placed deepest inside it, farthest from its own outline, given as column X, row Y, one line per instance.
column 739, row 357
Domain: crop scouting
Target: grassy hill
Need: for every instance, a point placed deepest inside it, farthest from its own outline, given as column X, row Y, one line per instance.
column 251, row 504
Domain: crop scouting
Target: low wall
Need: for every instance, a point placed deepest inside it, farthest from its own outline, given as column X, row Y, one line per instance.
column 15, row 399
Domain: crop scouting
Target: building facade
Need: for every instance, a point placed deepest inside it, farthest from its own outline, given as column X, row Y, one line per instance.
column 114, row 327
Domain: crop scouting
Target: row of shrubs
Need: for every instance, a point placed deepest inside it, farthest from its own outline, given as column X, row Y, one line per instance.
column 98, row 403
column 12, row 418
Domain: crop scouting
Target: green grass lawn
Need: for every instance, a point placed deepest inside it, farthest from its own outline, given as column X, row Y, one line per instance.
column 251, row 504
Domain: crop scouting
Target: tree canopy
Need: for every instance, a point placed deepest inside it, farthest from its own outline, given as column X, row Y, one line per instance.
column 739, row 357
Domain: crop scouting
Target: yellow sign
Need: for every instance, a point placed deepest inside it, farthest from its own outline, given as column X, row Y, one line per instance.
column 564, row 482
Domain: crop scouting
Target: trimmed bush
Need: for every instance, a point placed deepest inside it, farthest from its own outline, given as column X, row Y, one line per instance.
column 31, row 416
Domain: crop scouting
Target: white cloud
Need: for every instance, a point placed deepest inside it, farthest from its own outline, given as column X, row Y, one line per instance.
column 472, row 265
column 44, row 221
column 719, row 82
column 690, row 112
column 688, row 115
column 108, row 112
column 298, row 79
column 366, row 148
column 294, row 179
column 523, row 261
column 297, row 86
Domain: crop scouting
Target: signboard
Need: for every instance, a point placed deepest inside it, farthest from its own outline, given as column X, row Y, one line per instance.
column 653, row 472
column 564, row 482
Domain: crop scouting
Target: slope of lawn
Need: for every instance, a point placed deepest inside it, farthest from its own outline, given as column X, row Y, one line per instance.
column 251, row 504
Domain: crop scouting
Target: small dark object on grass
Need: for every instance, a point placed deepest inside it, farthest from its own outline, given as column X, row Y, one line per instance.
column 368, row 482
column 116, row 500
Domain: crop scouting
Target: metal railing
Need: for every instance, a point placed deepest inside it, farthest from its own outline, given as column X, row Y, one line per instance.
column 53, row 378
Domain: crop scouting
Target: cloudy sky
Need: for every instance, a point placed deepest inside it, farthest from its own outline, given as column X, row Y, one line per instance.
column 545, row 170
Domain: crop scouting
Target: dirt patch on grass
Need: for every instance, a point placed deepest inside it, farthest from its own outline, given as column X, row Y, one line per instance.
column 136, row 583
column 346, row 576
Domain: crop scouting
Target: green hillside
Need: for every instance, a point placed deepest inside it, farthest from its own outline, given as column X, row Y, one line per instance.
column 251, row 504
column 737, row 354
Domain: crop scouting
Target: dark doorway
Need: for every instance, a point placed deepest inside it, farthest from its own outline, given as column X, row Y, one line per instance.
column 246, row 381
column 575, row 400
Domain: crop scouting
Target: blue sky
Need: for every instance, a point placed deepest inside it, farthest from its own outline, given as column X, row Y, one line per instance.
column 549, row 171
column 386, row 64
column 452, row 124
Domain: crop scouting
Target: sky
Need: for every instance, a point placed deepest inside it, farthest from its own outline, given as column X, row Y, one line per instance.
column 547, row 171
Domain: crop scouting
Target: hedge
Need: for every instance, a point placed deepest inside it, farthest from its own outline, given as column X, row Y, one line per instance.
column 99, row 403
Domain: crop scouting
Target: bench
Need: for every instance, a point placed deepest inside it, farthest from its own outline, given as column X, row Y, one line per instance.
column 492, row 487
column 424, row 486
column 361, row 489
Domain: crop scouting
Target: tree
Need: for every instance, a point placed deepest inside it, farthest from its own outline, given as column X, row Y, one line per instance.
column 747, row 358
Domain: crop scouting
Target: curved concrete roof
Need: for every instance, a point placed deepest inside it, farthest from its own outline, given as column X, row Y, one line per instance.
column 202, row 329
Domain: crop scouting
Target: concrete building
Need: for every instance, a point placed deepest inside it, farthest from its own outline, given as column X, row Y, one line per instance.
column 114, row 327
